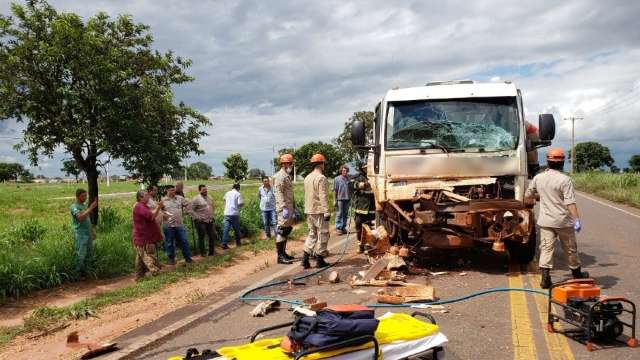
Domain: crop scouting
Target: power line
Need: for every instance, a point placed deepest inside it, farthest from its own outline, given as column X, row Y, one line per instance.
column 617, row 101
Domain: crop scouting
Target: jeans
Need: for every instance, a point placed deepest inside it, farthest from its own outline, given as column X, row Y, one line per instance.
column 180, row 235
column 84, row 253
column 205, row 228
column 342, row 214
column 269, row 222
column 231, row 221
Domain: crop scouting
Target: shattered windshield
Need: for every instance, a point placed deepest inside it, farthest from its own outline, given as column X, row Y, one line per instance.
column 473, row 125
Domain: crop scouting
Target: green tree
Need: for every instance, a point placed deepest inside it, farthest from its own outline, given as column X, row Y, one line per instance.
column 343, row 141
column 199, row 170
column 236, row 167
column 69, row 167
column 93, row 88
column 14, row 172
column 255, row 173
column 591, row 156
column 335, row 158
column 634, row 163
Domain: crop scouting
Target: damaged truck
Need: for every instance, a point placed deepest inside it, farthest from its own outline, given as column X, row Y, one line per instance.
column 448, row 164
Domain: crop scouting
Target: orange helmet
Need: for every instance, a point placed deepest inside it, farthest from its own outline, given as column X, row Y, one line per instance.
column 286, row 158
column 555, row 154
column 318, row 158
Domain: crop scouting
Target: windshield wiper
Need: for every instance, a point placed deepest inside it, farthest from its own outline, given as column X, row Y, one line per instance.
column 444, row 148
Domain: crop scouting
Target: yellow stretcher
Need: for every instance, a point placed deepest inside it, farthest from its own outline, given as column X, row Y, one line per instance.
column 398, row 336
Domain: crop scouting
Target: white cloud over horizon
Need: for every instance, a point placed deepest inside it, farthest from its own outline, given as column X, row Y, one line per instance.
column 280, row 73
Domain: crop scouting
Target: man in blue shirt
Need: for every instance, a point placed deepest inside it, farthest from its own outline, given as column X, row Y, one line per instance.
column 267, row 206
column 342, row 197
column 82, row 229
column 232, row 203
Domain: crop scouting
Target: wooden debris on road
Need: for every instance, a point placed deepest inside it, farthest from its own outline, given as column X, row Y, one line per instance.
column 376, row 240
column 390, row 299
column 409, row 293
column 394, row 261
column 318, row 306
column 375, row 269
column 263, row 308
column 95, row 349
column 334, row 277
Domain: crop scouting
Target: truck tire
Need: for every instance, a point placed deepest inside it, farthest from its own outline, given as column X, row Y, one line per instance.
column 523, row 253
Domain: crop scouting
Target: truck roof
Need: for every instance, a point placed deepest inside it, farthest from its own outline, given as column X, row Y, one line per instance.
column 452, row 90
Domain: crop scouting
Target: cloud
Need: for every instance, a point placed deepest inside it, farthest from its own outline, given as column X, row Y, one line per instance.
column 291, row 72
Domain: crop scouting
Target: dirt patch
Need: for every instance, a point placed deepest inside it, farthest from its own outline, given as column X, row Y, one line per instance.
column 13, row 313
column 118, row 319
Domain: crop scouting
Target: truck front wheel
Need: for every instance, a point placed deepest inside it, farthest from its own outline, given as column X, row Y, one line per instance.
column 523, row 253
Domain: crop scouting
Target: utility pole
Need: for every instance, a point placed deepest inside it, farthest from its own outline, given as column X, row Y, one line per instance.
column 573, row 141
column 295, row 175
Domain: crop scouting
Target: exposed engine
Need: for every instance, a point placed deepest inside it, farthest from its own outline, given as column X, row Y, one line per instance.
column 604, row 324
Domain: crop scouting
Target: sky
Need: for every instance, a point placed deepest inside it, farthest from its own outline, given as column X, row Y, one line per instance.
column 273, row 74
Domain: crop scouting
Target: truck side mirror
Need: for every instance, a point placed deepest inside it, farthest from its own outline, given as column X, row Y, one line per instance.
column 357, row 133
column 546, row 127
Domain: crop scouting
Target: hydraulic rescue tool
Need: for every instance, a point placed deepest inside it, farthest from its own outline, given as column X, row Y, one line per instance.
column 593, row 316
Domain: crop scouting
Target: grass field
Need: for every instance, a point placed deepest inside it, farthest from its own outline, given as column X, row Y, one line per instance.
column 622, row 188
column 37, row 239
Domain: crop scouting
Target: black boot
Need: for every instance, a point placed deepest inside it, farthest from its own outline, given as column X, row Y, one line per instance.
column 320, row 263
column 284, row 251
column 305, row 261
column 281, row 258
column 579, row 274
column 545, row 282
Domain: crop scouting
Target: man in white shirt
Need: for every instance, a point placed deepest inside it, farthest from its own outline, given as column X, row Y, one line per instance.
column 233, row 202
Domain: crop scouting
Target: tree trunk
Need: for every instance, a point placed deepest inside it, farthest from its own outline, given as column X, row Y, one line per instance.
column 92, row 181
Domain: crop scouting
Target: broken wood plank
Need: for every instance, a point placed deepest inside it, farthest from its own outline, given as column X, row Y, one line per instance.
column 263, row 308
column 455, row 196
column 389, row 299
column 375, row 269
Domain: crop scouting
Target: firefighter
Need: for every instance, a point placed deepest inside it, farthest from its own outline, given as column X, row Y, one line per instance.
column 317, row 210
column 558, row 217
column 364, row 205
column 283, row 189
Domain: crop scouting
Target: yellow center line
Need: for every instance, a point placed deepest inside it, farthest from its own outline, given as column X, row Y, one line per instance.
column 524, row 347
column 557, row 344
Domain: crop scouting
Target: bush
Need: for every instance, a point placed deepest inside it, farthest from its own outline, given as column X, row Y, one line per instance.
column 108, row 218
column 30, row 231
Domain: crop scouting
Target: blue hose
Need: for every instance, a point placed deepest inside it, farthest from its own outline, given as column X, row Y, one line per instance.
column 245, row 296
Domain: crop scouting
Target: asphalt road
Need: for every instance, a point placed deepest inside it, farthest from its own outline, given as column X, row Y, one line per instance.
column 495, row 326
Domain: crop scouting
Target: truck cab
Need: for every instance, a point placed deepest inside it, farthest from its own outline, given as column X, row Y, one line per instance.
column 449, row 163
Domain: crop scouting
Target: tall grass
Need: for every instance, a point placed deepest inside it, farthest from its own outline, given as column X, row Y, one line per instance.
column 622, row 188
column 38, row 245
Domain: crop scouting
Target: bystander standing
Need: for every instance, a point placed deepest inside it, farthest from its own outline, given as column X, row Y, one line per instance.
column 174, row 206
column 202, row 214
column 82, row 229
column 342, row 197
column 233, row 202
column 146, row 234
column 267, row 207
